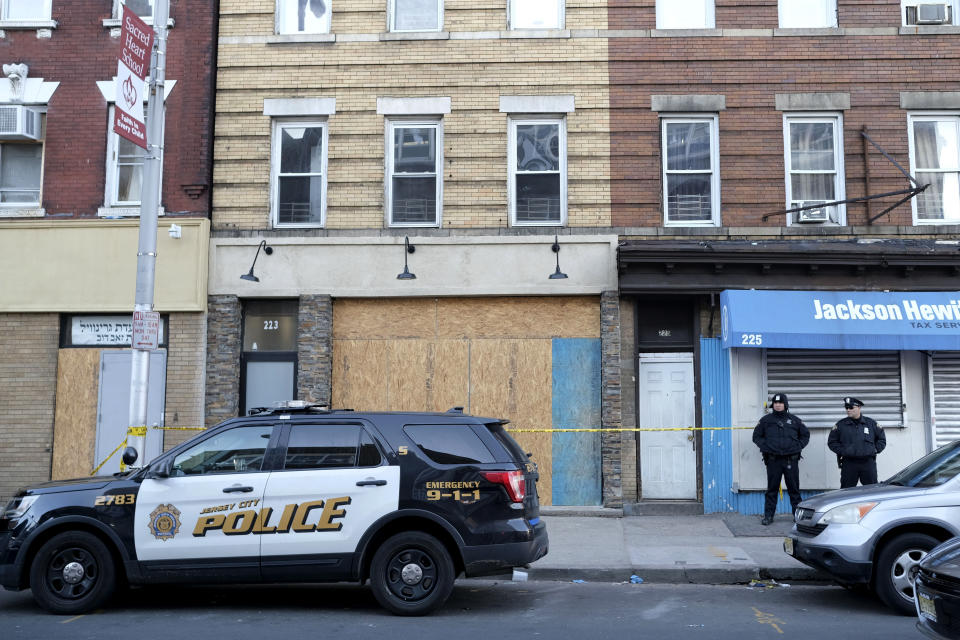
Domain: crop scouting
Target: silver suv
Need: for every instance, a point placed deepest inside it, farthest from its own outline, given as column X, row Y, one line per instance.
column 876, row 535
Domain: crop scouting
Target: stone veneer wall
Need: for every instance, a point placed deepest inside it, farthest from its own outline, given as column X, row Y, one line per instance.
column 315, row 349
column 611, row 412
column 223, row 358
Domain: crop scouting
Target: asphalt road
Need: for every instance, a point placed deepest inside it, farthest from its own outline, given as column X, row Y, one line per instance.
column 478, row 609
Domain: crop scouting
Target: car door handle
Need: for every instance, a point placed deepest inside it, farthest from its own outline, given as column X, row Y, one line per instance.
column 376, row 483
column 238, row 489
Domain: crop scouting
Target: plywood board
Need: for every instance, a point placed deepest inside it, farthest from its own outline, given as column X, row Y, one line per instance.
column 515, row 317
column 451, row 375
column 75, row 421
column 409, row 375
column 360, row 374
column 512, row 379
column 384, row 318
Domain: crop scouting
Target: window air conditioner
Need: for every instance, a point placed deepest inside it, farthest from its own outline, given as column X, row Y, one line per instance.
column 821, row 214
column 929, row 14
column 18, row 122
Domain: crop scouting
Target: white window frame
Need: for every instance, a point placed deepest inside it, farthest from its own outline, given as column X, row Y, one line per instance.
column 12, row 207
column 45, row 13
column 513, row 21
column 829, row 8
column 393, row 19
column 402, row 123
column 327, row 26
column 929, row 116
column 118, row 10
column 279, row 124
column 513, row 123
column 664, row 6
column 954, row 18
column 839, row 184
column 714, row 169
column 112, row 206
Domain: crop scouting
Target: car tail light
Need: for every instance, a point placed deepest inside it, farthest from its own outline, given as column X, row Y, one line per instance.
column 513, row 481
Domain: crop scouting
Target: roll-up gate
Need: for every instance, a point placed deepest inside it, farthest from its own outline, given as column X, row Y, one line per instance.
column 946, row 397
column 816, row 381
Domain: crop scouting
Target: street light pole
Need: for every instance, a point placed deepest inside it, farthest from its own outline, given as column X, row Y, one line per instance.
column 149, row 211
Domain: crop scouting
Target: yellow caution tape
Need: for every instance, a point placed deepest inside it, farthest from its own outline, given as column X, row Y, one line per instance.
column 99, row 466
column 137, row 431
column 634, row 429
column 179, row 428
column 142, row 432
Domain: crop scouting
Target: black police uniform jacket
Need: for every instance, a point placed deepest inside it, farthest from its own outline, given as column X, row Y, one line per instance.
column 857, row 438
column 781, row 434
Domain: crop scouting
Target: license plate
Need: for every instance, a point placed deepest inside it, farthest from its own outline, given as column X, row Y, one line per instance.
column 788, row 546
column 927, row 609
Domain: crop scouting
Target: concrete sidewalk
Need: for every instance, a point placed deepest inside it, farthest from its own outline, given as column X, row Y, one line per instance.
column 602, row 546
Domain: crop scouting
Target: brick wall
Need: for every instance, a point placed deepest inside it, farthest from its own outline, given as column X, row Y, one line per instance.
column 611, row 450
column 81, row 52
column 185, row 376
column 28, row 377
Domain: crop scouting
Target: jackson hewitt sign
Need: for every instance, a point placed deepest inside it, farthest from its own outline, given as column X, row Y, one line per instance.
column 841, row 319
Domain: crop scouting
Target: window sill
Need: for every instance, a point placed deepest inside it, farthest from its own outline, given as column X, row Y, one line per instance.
column 535, row 33
column 415, row 35
column 112, row 23
column 801, row 32
column 7, row 211
column 28, row 24
column 122, row 212
column 936, row 223
column 929, row 29
column 707, row 224
column 686, row 33
column 286, row 38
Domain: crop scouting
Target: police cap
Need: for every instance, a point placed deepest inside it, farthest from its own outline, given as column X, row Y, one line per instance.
column 780, row 397
column 850, row 403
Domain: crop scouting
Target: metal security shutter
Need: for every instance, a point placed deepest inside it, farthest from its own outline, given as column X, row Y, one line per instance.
column 817, row 380
column 946, row 397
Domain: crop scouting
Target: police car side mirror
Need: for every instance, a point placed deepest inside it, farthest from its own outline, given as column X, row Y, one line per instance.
column 129, row 456
column 161, row 469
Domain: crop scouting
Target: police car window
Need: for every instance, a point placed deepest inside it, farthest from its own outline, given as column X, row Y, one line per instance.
column 369, row 452
column 314, row 446
column 449, row 443
column 237, row 450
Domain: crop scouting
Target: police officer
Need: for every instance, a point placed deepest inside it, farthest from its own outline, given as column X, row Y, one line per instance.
column 856, row 440
column 781, row 436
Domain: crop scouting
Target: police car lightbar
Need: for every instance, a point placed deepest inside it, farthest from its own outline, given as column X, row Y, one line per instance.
column 299, row 405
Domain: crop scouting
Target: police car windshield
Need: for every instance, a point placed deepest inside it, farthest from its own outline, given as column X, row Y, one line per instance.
column 931, row 470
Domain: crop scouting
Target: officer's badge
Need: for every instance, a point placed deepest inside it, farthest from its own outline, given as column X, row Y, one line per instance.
column 165, row 522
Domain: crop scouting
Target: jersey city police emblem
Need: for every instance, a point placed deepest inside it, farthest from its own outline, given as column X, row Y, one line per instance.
column 165, row 522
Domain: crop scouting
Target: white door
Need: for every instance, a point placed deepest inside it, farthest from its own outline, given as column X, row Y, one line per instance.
column 210, row 506
column 668, row 463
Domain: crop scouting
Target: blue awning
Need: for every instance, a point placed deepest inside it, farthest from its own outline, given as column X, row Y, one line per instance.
column 841, row 320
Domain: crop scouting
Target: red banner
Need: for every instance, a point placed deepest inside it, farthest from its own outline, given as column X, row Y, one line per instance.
column 133, row 67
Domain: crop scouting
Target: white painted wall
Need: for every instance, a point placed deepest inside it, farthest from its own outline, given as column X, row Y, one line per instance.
column 818, row 468
column 445, row 266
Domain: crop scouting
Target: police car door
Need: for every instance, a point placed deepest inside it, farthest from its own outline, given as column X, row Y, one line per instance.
column 210, row 505
column 332, row 485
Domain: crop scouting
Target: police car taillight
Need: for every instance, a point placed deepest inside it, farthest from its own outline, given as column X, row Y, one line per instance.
column 511, row 480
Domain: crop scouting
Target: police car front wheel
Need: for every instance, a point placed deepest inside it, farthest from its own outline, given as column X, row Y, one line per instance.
column 411, row 574
column 72, row 573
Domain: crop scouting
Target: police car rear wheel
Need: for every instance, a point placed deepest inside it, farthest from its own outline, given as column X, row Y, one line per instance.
column 72, row 573
column 411, row 574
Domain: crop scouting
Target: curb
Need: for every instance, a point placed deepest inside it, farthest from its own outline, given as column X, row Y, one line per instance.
column 688, row 575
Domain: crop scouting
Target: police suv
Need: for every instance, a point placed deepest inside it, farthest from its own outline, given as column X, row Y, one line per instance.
column 293, row 494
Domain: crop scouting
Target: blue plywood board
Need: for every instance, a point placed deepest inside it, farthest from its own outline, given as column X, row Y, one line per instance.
column 576, row 470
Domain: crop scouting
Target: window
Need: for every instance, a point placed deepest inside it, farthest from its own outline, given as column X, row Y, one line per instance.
column 21, row 171
column 26, row 9
column 536, row 14
column 538, row 172
column 929, row 12
column 299, row 168
column 807, row 14
column 414, row 185
column 685, row 14
column 814, row 164
column 691, row 179
column 236, row 450
column 143, row 8
column 450, row 443
column 124, row 170
column 935, row 160
column 416, row 15
column 303, row 16
column 313, row 446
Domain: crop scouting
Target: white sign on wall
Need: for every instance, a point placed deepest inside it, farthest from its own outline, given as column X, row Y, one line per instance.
column 104, row 331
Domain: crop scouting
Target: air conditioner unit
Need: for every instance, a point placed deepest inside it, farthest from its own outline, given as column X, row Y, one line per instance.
column 929, row 14
column 821, row 214
column 18, row 122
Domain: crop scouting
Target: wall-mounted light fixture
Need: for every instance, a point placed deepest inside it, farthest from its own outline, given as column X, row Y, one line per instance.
column 267, row 250
column 555, row 247
column 408, row 248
